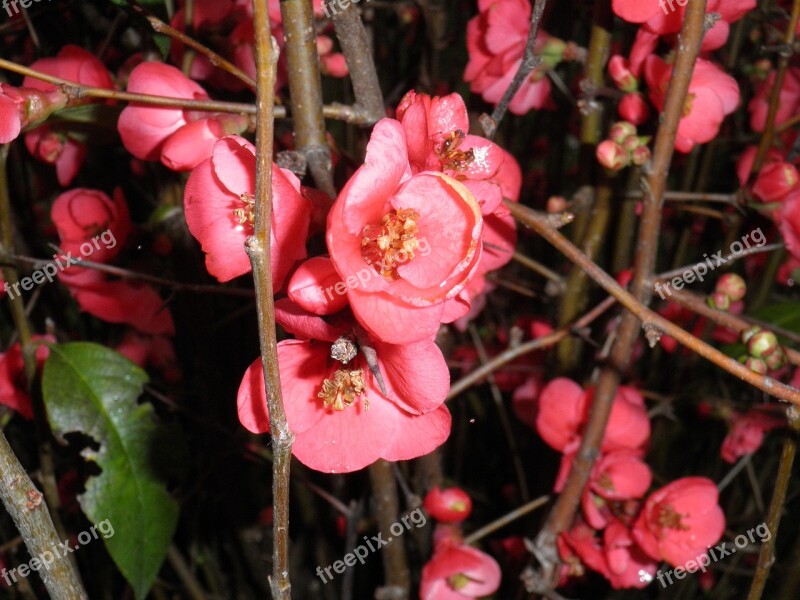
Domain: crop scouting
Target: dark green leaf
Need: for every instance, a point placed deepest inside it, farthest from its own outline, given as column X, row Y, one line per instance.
column 91, row 389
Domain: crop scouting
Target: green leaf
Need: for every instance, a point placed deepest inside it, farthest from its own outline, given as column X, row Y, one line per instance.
column 785, row 315
column 91, row 389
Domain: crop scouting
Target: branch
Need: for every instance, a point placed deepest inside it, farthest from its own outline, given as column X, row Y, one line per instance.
column 20, row 497
column 395, row 564
column 258, row 248
column 358, row 54
column 305, row 88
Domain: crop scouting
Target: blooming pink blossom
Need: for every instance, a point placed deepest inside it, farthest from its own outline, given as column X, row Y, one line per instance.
column 219, row 205
column 712, row 95
column 457, row 571
column 83, row 216
column 746, row 434
column 341, row 419
column 680, row 520
column 13, row 388
column 412, row 241
column 496, row 41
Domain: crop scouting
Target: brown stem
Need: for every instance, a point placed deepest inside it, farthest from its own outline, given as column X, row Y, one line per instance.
column 592, row 224
column 357, row 52
column 395, row 564
column 514, row 353
column 348, row 114
column 776, row 505
column 258, row 248
column 305, row 87
column 215, row 59
column 775, row 94
column 529, row 62
column 515, row 514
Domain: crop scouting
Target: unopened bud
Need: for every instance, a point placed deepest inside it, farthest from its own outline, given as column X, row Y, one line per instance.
column 621, row 131
column 732, row 285
column 776, row 360
column 756, row 364
column 640, row 155
column 748, row 333
column 620, row 71
column 612, row 156
column 763, row 344
column 719, row 300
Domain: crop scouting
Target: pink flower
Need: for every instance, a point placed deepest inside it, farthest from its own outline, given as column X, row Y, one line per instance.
column 179, row 138
column 618, row 476
column 450, row 505
column 437, row 139
column 83, row 218
column 219, row 204
column 315, row 286
column 712, row 95
column 634, row 108
column 456, row 572
column 680, row 520
column 788, row 218
column 788, row 105
column 496, row 41
column 775, row 181
column 129, row 303
column 616, row 557
column 341, row 419
column 13, row 390
column 562, row 410
column 746, row 434
column 72, row 63
column 59, row 149
column 413, row 242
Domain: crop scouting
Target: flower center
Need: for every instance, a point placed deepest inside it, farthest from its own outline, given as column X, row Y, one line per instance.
column 669, row 518
column 446, row 148
column 392, row 242
column 343, row 389
column 458, row 581
column 247, row 214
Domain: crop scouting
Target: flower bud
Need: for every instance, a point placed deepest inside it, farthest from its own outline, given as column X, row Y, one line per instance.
column 612, row 156
column 756, row 364
column 732, row 285
column 776, row 360
column 451, row 505
column 748, row 333
column 621, row 131
column 775, row 181
column 620, row 71
column 634, row 108
column 719, row 300
column 763, row 344
column 641, row 155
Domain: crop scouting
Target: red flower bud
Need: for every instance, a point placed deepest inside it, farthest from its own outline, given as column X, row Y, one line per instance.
column 621, row 131
column 612, row 156
column 733, row 286
column 451, row 505
column 775, row 181
column 762, row 344
column 719, row 300
column 756, row 364
column 640, row 155
column 634, row 108
column 619, row 69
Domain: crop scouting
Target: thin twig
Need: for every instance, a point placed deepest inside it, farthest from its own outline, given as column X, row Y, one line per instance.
column 515, row 514
column 215, row 59
column 529, row 62
column 258, row 248
column 387, row 509
column 776, row 505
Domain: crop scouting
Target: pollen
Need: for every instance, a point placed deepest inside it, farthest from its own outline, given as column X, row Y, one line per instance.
column 391, row 242
column 343, row 389
column 669, row 518
column 687, row 106
column 246, row 215
column 450, row 157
